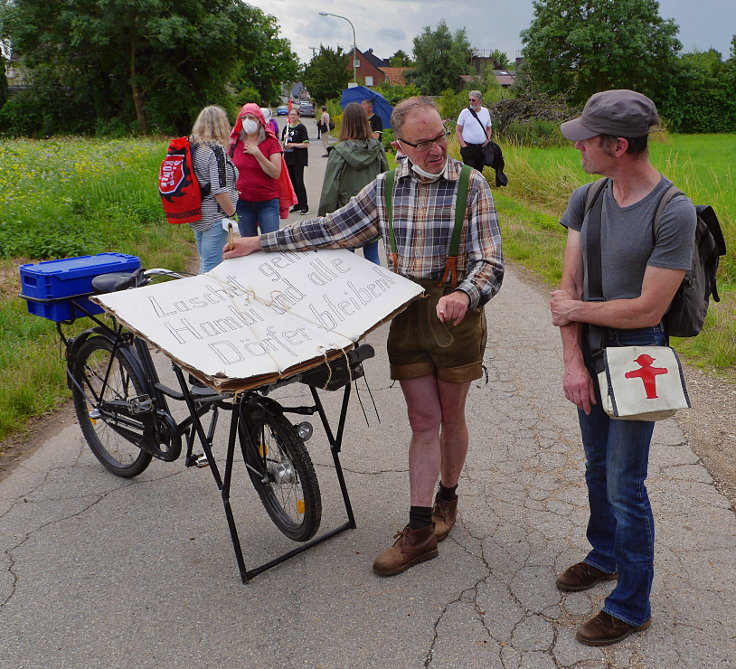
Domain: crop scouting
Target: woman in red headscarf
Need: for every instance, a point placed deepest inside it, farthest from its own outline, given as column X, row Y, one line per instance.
column 257, row 154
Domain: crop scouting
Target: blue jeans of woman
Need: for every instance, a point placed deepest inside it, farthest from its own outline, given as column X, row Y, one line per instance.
column 252, row 215
column 370, row 252
column 621, row 524
column 209, row 246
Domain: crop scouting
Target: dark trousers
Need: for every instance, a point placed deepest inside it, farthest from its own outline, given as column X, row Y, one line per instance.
column 472, row 154
column 296, row 174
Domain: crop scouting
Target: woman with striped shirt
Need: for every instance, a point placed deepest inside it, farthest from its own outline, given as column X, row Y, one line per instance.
column 217, row 177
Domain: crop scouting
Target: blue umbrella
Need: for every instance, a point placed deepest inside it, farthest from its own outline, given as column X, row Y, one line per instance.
column 381, row 106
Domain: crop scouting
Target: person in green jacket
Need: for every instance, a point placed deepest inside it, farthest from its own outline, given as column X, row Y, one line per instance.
column 353, row 163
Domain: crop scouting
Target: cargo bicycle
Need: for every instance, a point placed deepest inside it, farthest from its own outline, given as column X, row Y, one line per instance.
column 123, row 410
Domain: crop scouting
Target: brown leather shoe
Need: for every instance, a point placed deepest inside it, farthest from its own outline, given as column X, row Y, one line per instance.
column 444, row 515
column 411, row 547
column 604, row 630
column 582, row 576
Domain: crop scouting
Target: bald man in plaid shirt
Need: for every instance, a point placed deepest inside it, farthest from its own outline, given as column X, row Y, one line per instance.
column 436, row 345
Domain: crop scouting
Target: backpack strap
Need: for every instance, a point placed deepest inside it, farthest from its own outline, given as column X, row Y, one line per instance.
column 671, row 193
column 461, row 201
column 220, row 158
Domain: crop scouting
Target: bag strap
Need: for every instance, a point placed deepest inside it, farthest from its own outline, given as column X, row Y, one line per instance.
column 593, row 210
column 472, row 111
column 461, row 202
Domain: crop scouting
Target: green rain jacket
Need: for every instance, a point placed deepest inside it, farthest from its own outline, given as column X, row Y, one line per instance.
column 352, row 164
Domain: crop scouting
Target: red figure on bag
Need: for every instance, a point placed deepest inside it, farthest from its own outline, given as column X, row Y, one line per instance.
column 647, row 374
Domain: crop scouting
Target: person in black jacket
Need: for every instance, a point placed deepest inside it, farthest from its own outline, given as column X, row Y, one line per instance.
column 295, row 139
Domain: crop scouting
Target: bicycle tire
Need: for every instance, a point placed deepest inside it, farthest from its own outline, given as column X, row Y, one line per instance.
column 282, row 472
column 119, row 455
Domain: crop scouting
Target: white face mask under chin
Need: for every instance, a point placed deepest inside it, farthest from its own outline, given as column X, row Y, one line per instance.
column 430, row 176
column 250, row 126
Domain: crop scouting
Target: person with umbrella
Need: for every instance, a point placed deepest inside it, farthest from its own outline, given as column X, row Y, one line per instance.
column 435, row 346
column 373, row 119
column 376, row 107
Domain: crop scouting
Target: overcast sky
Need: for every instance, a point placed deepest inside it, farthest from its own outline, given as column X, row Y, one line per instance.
column 390, row 25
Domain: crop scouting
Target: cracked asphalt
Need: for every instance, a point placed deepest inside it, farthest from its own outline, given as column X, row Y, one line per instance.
column 99, row 571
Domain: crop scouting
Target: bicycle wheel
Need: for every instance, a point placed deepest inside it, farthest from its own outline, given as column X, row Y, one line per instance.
column 281, row 472
column 97, row 418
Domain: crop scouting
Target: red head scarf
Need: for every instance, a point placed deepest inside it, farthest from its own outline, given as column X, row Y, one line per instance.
column 254, row 110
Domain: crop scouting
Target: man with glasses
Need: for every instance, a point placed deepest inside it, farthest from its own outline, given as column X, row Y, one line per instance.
column 473, row 131
column 436, row 345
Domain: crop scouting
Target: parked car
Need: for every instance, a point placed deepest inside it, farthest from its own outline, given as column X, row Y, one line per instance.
column 282, row 110
column 306, row 108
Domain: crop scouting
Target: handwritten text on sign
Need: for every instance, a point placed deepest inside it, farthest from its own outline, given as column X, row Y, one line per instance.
column 265, row 313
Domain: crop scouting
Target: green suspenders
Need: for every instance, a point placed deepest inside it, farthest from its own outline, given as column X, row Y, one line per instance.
column 460, row 205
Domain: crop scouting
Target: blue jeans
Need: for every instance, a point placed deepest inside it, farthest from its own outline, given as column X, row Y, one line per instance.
column 621, row 524
column 370, row 252
column 209, row 246
column 252, row 215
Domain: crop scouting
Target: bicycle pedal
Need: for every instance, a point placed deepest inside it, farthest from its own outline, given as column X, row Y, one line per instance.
column 201, row 462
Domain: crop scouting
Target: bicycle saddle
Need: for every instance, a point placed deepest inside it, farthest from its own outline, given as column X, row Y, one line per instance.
column 114, row 281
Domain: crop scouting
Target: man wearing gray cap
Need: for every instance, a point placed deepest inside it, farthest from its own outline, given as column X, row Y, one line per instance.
column 641, row 270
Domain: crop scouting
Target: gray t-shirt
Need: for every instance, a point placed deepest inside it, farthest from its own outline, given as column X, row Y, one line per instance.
column 627, row 239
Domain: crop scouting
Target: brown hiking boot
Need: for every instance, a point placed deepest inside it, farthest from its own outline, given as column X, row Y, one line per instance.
column 604, row 629
column 582, row 576
column 444, row 515
column 411, row 547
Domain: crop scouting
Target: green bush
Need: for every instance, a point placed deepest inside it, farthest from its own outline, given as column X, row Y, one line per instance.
column 534, row 133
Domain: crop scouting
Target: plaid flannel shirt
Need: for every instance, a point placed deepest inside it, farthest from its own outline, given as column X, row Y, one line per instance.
column 424, row 216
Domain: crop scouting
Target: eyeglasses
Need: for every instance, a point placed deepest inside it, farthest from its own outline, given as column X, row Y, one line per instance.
column 426, row 146
column 472, row 99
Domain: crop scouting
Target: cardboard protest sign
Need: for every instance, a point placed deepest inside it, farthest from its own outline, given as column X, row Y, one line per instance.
column 253, row 320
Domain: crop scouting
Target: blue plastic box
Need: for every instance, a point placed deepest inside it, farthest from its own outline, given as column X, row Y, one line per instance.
column 45, row 285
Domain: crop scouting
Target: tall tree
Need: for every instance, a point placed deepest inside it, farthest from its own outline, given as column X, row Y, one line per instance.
column 327, row 74
column 440, row 58
column 271, row 63
column 152, row 61
column 499, row 60
column 400, row 59
column 579, row 47
column 704, row 99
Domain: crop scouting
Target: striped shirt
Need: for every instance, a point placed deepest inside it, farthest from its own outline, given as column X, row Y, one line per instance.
column 208, row 171
column 424, row 216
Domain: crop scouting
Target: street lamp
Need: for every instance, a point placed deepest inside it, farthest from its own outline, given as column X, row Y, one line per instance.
column 355, row 49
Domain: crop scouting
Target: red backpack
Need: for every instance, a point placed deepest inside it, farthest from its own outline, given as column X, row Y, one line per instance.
column 181, row 195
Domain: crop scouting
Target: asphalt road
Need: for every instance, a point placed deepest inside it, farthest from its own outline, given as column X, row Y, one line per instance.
column 103, row 572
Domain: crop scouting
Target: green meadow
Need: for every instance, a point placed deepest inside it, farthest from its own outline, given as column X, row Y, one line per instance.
column 63, row 198
column 69, row 197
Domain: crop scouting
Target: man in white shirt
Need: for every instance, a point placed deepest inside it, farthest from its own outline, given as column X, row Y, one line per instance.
column 473, row 131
